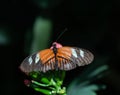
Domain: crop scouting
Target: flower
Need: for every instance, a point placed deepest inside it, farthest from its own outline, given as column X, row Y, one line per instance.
column 27, row 82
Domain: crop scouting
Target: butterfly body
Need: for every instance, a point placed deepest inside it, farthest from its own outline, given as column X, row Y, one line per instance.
column 58, row 57
column 55, row 47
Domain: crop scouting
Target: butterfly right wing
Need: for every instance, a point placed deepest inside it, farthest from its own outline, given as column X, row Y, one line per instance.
column 70, row 57
column 82, row 56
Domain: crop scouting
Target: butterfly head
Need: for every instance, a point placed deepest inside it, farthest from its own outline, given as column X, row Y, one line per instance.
column 56, row 45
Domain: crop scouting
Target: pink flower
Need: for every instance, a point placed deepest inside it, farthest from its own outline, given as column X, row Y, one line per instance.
column 27, row 82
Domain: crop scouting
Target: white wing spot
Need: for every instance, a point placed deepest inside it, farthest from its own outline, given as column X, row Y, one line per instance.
column 74, row 53
column 37, row 58
column 81, row 53
column 30, row 60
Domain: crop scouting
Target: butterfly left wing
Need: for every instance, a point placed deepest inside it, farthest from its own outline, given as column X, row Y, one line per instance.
column 38, row 61
column 70, row 57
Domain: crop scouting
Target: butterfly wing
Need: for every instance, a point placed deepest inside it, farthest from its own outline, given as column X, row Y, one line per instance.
column 39, row 61
column 70, row 57
column 67, row 58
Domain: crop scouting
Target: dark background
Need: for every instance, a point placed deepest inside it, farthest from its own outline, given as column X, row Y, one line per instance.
column 92, row 24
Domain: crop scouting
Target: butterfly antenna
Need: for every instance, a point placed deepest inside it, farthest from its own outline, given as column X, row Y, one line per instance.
column 61, row 34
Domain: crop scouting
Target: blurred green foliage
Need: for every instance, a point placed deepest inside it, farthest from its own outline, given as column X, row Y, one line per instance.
column 45, row 4
column 49, row 83
column 4, row 36
column 85, row 83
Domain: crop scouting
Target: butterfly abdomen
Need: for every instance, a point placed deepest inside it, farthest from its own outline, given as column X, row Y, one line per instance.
column 55, row 50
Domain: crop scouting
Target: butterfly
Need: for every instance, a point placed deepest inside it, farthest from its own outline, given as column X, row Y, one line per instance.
column 58, row 57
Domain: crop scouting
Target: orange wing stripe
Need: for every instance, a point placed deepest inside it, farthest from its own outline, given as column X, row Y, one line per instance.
column 64, row 52
column 45, row 55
